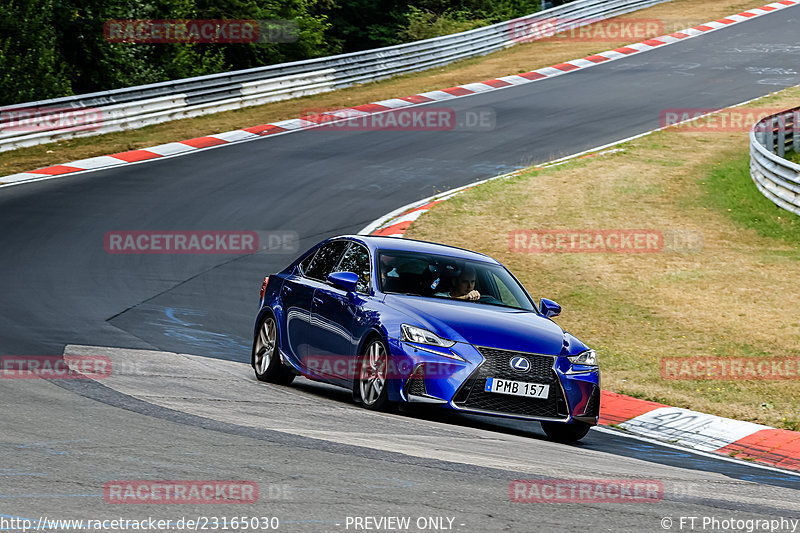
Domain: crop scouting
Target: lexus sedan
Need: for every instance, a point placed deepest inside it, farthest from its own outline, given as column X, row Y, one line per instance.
column 398, row 321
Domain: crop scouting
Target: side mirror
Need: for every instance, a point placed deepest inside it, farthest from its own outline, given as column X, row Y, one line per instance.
column 344, row 280
column 549, row 308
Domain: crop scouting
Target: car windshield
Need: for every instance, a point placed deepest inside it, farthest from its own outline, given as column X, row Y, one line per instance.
column 438, row 276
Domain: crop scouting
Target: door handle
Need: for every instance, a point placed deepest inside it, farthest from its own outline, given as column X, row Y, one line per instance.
column 287, row 288
column 317, row 300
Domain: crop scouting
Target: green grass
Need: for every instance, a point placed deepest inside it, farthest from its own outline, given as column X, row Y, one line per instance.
column 729, row 188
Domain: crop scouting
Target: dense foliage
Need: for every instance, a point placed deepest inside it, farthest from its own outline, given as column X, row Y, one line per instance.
column 363, row 24
column 52, row 48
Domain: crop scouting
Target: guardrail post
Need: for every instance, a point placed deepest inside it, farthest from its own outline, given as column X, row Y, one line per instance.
column 769, row 132
column 781, row 135
column 796, row 132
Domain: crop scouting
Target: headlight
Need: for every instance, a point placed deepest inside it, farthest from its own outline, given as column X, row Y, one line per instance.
column 588, row 358
column 423, row 336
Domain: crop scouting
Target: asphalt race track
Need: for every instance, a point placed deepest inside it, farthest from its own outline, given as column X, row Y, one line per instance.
column 317, row 457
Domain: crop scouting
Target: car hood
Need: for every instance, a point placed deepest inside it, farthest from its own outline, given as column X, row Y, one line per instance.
column 485, row 325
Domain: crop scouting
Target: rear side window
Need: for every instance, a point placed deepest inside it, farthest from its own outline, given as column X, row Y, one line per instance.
column 356, row 260
column 325, row 259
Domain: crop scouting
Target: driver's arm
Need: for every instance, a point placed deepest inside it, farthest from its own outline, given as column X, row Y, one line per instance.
column 471, row 295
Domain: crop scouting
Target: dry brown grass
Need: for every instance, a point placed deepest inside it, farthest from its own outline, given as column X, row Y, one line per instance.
column 675, row 15
column 738, row 296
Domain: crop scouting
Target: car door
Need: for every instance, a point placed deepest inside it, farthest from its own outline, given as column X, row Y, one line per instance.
column 333, row 313
column 315, row 277
column 297, row 293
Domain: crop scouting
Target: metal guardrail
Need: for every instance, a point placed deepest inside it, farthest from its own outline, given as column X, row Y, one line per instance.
column 776, row 177
column 135, row 107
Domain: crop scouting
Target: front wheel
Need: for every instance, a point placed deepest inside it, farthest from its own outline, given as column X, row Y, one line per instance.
column 372, row 384
column 266, row 361
column 565, row 432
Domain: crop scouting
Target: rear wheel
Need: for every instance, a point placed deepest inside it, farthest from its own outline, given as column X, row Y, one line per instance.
column 372, row 383
column 566, row 432
column 266, row 361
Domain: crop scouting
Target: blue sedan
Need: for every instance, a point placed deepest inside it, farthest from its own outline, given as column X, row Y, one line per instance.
column 403, row 321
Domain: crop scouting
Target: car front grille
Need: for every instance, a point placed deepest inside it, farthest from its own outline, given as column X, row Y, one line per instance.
column 472, row 395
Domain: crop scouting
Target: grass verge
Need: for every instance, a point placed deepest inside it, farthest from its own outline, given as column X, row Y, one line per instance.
column 730, row 187
column 734, row 297
column 672, row 16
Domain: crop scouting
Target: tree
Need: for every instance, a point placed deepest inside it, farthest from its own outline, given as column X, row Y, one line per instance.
column 30, row 67
column 51, row 48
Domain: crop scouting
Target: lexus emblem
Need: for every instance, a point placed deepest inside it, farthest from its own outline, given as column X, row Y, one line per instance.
column 520, row 364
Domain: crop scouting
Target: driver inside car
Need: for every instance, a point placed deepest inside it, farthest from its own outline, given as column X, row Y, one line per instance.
column 463, row 286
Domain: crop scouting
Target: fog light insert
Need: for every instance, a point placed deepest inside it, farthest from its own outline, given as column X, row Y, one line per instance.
column 416, row 381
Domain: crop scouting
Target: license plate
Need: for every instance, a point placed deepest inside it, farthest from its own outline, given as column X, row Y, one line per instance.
column 517, row 388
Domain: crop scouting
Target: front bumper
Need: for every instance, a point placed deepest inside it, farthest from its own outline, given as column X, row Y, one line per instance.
column 574, row 392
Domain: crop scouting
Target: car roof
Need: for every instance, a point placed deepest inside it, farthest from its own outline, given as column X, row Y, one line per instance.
column 376, row 242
